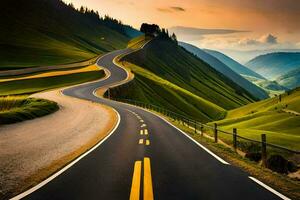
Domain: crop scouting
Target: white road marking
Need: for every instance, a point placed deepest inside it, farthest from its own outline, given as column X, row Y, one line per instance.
column 143, row 125
column 269, row 188
column 43, row 183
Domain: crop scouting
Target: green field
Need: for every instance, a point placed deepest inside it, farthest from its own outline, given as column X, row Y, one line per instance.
column 16, row 109
column 29, row 86
column 278, row 120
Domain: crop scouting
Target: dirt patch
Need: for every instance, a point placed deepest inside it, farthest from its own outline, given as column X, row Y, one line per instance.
column 32, row 150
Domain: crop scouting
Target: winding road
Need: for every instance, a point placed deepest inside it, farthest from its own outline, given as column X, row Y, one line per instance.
column 147, row 158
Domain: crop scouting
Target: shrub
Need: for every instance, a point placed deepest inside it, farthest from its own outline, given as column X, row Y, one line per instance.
column 278, row 164
column 292, row 167
column 253, row 156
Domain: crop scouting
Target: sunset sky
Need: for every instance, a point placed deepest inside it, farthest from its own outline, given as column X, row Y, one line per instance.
column 245, row 24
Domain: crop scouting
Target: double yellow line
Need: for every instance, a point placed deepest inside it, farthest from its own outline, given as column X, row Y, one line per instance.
column 136, row 181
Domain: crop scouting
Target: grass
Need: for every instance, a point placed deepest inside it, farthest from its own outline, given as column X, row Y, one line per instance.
column 150, row 88
column 33, row 85
column 269, row 117
column 16, row 109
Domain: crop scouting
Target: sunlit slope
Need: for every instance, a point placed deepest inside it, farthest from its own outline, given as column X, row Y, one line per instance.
column 47, row 32
column 279, row 120
column 150, row 88
column 165, row 59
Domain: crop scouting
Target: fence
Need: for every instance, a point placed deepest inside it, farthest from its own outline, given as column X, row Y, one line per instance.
column 233, row 139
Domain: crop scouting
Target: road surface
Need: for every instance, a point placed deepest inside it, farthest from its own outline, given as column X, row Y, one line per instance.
column 146, row 158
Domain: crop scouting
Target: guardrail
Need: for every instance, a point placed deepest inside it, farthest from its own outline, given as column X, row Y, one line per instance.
column 214, row 130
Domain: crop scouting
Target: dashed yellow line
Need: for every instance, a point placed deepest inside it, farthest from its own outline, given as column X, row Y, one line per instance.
column 141, row 141
column 146, row 132
column 148, row 190
column 136, row 181
column 147, row 142
column 141, row 132
column 143, row 125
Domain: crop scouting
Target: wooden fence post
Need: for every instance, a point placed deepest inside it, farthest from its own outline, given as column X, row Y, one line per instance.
column 264, row 149
column 195, row 127
column 216, row 132
column 201, row 130
column 234, row 141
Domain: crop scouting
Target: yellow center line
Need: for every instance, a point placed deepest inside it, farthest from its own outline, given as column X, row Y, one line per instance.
column 147, row 142
column 136, row 181
column 148, row 190
column 141, row 132
column 146, row 132
column 141, row 141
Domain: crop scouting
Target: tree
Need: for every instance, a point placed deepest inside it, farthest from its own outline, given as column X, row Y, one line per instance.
column 174, row 38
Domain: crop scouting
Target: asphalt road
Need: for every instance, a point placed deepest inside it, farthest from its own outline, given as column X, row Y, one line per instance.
column 146, row 158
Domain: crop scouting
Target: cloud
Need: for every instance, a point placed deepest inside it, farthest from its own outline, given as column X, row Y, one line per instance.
column 176, row 8
column 192, row 33
column 171, row 9
column 268, row 39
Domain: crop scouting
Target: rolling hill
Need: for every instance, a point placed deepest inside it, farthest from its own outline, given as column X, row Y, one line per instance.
column 234, row 65
column 227, row 71
column 274, row 65
column 181, row 82
column 49, row 32
column 291, row 79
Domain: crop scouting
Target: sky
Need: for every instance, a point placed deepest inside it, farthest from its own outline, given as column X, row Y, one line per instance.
column 226, row 25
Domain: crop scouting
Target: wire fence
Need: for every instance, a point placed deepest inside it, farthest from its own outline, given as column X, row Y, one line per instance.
column 233, row 139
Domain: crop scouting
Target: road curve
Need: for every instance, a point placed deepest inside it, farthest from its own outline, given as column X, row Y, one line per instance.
column 146, row 158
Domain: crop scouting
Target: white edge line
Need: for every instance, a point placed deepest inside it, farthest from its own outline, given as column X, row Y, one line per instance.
column 269, row 188
column 43, row 183
column 197, row 143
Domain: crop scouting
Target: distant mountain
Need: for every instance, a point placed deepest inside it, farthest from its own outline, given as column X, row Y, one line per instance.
column 274, row 65
column 47, row 32
column 232, row 64
column 226, row 71
column 291, row 79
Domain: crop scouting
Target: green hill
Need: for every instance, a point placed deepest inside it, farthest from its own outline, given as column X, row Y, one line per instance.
column 180, row 81
column 291, row 79
column 47, row 32
column 274, row 65
column 278, row 119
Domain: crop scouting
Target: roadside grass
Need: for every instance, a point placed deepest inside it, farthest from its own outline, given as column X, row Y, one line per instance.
column 267, row 117
column 282, row 183
column 29, row 86
column 52, row 73
column 19, row 108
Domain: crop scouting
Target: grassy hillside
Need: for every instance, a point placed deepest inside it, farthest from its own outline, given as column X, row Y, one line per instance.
column 179, row 81
column 278, row 119
column 274, row 65
column 234, row 65
column 226, row 70
column 48, row 32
